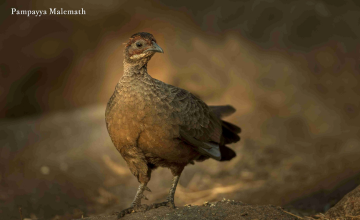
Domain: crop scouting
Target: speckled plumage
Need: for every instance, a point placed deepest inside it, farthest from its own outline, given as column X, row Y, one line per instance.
column 154, row 124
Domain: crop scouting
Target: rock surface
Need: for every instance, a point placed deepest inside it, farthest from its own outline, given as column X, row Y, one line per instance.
column 348, row 207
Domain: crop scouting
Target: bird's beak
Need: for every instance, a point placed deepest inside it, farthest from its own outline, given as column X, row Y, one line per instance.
column 155, row 48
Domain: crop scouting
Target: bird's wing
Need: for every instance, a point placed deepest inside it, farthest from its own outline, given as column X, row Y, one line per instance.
column 199, row 127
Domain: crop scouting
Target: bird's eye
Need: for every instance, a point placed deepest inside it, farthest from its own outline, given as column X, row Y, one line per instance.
column 138, row 44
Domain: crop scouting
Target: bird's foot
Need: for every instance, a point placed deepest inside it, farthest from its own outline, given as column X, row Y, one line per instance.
column 136, row 208
column 167, row 203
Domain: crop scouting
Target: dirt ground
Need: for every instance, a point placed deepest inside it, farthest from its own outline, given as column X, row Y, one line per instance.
column 348, row 208
column 224, row 210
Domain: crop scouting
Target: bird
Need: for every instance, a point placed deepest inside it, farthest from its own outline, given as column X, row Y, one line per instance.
column 153, row 124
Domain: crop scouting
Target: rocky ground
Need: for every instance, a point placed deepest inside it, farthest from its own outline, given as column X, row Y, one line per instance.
column 347, row 208
column 224, row 210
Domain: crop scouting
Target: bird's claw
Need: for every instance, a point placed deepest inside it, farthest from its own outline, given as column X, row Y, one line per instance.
column 136, row 208
column 168, row 203
column 144, row 197
column 147, row 189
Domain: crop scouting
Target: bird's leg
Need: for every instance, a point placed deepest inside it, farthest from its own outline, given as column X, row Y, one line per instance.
column 139, row 168
column 136, row 204
column 139, row 195
column 170, row 199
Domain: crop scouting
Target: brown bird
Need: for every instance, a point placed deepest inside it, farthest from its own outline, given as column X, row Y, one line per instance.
column 153, row 124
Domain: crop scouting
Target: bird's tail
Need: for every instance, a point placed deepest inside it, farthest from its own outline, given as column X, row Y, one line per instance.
column 222, row 110
column 229, row 131
column 226, row 153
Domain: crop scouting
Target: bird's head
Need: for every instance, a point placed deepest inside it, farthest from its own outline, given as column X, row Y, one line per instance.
column 140, row 48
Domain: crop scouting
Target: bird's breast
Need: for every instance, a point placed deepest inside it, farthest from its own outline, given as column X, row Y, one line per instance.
column 136, row 115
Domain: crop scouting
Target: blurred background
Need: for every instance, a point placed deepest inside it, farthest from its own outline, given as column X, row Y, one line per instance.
column 290, row 68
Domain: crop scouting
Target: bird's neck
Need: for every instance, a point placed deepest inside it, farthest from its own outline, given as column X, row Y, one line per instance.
column 131, row 69
column 135, row 74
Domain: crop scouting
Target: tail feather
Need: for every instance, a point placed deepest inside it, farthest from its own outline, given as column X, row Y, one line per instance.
column 229, row 131
column 226, row 153
column 229, row 137
column 222, row 110
column 235, row 129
